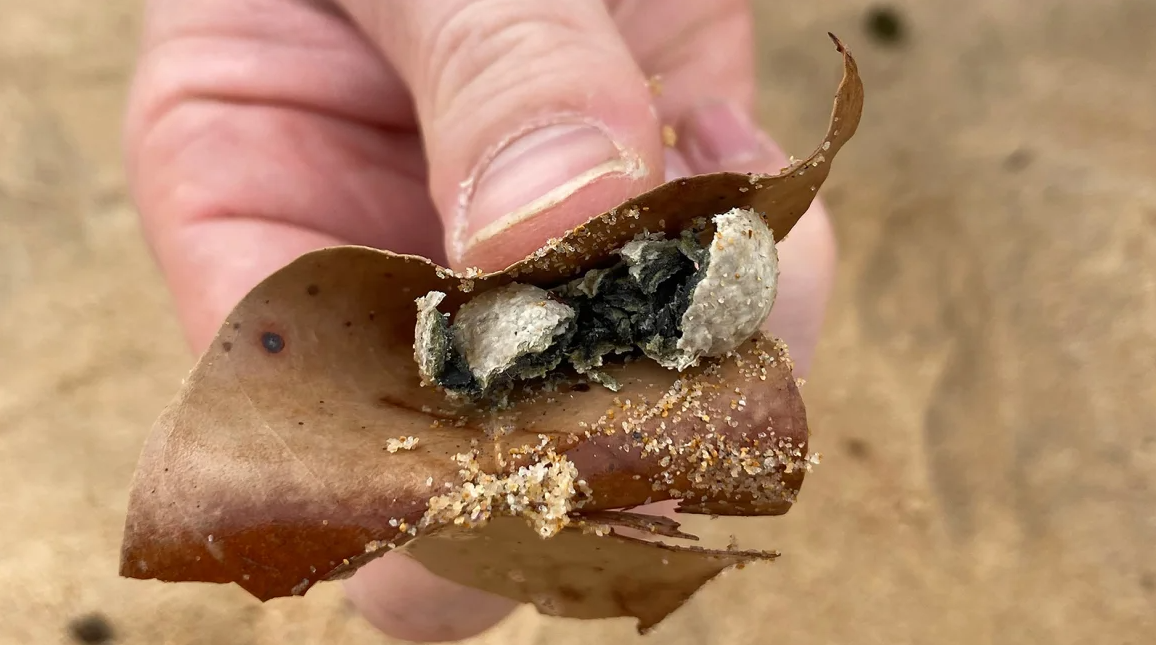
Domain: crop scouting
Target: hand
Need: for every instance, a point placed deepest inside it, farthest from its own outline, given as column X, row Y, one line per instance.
column 466, row 131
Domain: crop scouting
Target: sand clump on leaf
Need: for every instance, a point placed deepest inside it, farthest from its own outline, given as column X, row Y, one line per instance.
column 543, row 493
column 493, row 425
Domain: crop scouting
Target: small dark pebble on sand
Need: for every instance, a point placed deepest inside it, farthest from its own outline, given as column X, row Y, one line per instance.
column 857, row 448
column 885, row 25
column 91, row 629
column 1019, row 159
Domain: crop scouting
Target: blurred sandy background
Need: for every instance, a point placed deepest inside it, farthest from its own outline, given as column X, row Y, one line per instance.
column 985, row 393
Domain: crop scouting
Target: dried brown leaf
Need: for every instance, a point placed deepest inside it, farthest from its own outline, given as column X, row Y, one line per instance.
column 657, row 525
column 577, row 574
column 304, row 444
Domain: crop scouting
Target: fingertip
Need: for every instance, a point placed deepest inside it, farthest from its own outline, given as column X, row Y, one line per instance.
column 535, row 117
column 518, row 235
column 722, row 136
column 210, row 265
column 551, row 176
column 398, row 596
column 677, row 167
column 808, row 262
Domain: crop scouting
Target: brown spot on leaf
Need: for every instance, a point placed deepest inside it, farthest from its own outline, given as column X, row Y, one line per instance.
column 272, row 342
column 570, row 594
column 227, row 346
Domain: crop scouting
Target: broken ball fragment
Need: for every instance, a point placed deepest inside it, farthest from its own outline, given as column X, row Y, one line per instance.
column 279, row 470
column 674, row 300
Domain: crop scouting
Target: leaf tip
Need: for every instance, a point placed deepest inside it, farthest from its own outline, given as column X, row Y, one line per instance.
column 839, row 46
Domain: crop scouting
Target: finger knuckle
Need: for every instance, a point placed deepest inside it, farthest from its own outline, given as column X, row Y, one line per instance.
column 489, row 48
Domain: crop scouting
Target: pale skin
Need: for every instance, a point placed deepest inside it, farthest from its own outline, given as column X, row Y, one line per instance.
column 467, row 131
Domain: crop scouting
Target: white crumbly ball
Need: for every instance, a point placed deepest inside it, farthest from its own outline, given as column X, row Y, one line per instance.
column 736, row 293
column 429, row 344
column 500, row 326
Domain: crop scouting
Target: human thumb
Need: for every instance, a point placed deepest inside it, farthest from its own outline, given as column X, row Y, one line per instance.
column 534, row 115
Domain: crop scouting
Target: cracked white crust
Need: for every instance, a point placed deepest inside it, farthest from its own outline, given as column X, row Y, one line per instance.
column 736, row 294
column 498, row 327
column 428, row 343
